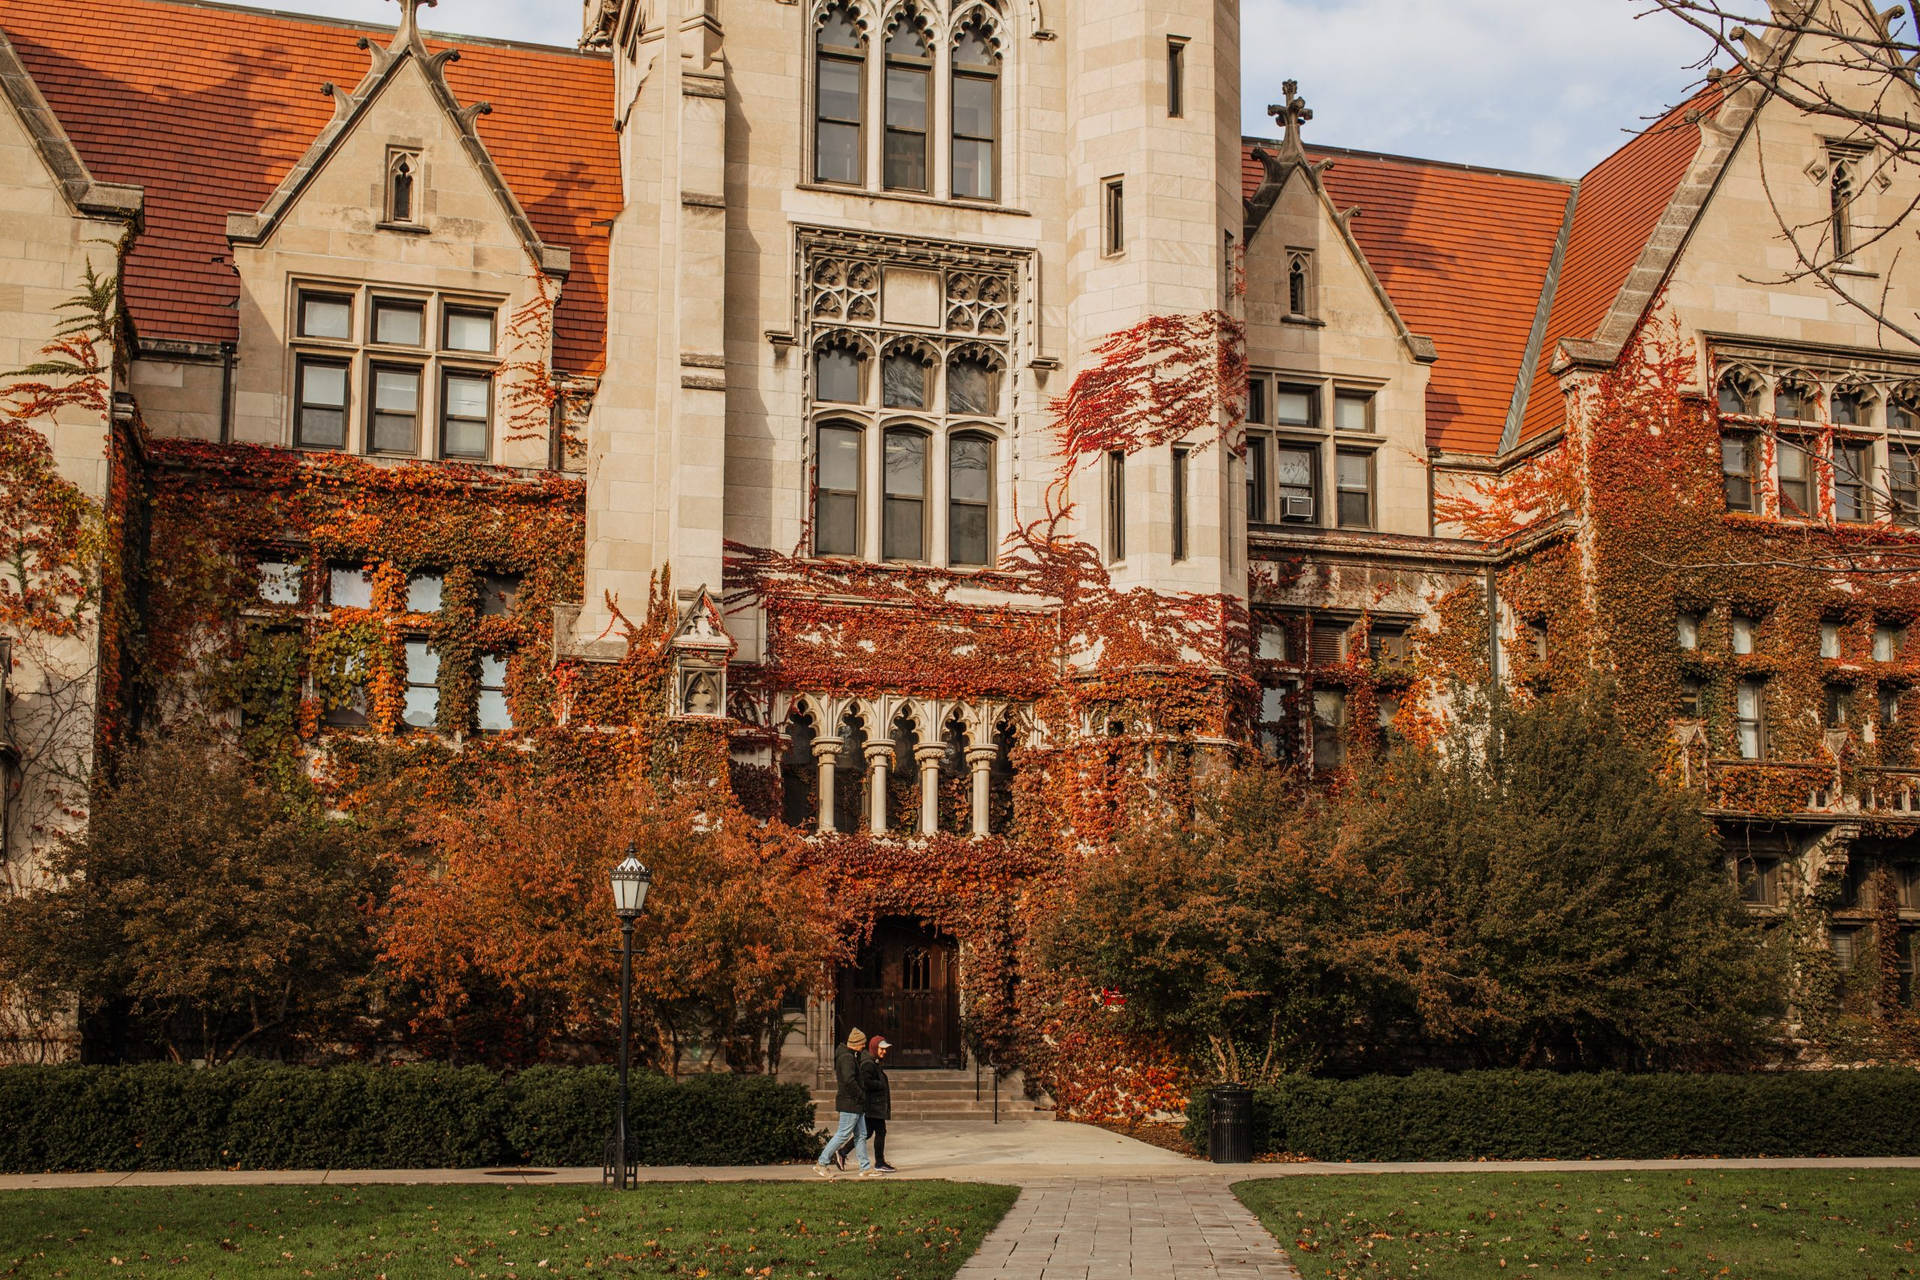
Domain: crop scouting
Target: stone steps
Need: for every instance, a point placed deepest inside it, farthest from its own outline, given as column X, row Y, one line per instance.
column 947, row 1096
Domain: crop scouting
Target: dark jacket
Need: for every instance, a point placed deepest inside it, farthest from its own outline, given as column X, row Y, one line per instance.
column 852, row 1094
column 873, row 1077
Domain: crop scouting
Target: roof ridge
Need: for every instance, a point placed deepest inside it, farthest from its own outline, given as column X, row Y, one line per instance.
column 1248, row 139
column 387, row 28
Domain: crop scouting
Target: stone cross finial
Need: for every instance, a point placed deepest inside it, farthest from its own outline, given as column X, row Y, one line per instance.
column 410, row 21
column 1292, row 114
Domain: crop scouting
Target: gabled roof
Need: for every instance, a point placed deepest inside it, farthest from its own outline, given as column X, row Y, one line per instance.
column 1465, row 254
column 1623, row 200
column 56, row 149
column 209, row 108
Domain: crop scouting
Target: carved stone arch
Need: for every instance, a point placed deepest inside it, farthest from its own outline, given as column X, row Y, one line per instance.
column 1906, row 393
column 993, row 357
column 982, row 720
column 787, row 707
column 913, row 345
column 1021, row 725
column 1789, row 382
column 1743, row 386
column 985, row 19
column 853, row 340
column 1859, row 387
column 919, row 12
column 860, row 10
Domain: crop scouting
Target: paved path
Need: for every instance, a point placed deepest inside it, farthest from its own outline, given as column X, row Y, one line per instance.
column 1146, row 1229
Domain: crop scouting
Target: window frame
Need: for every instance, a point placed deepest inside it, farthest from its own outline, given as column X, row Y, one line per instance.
column 993, row 76
column 923, row 501
column 1757, row 722
column 1784, row 445
column 924, row 68
column 1182, row 464
column 1858, row 490
column 482, row 688
column 968, row 436
column 1311, row 448
column 1748, row 442
column 822, row 54
column 409, row 684
column 374, row 412
column 1116, row 478
column 392, row 213
column 344, row 364
column 1342, row 489
column 1903, row 492
column 1113, row 216
column 1177, row 77
column 857, row 493
column 305, row 293
column 445, row 417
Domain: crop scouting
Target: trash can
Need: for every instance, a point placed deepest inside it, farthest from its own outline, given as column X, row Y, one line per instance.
column 1230, row 1124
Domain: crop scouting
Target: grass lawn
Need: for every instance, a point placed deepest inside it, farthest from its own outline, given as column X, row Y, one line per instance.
column 908, row 1230
column 1793, row 1224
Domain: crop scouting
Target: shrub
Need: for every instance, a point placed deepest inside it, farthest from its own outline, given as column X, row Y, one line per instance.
column 261, row 1116
column 1519, row 1115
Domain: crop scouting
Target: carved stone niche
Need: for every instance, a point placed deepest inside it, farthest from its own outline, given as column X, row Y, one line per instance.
column 701, row 649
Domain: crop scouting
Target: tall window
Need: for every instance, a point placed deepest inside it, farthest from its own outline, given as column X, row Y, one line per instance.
column 836, row 504
column 402, row 169
column 909, row 80
column 1113, row 217
column 976, row 113
column 1737, row 458
column 840, row 66
column 1116, row 506
column 1329, row 729
column 1176, row 78
column 1852, row 462
column 838, row 375
column 421, row 710
column 1903, row 482
column 1353, row 477
column 970, row 499
column 1750, row 722
column 1257, row 479
column 1180, row 468
column 903, row 518
column 466, row 408
column 320, row 420
column 492, row 712
column 395, row 405
column 1300, row 282
column 1797, row 493
column 1842, row 186
column 1294, row 471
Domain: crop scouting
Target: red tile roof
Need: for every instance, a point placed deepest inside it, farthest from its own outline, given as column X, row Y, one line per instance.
column 1621, row 202
column 1464, row 254
column 209, row 107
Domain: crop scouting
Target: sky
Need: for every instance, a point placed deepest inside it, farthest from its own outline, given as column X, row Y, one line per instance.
column 1544, row 86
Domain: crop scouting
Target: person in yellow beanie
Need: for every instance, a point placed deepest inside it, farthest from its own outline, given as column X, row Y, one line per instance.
column 850, row 1099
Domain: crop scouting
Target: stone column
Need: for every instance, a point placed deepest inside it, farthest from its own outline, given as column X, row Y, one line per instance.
column 980, row 760
column 826, row 754
column 930, row 758
column 879, row 764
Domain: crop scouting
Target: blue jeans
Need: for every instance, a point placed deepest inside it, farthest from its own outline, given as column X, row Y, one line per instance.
column 853, row 1128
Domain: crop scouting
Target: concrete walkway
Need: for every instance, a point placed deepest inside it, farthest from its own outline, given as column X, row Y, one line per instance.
column 1093, row 1204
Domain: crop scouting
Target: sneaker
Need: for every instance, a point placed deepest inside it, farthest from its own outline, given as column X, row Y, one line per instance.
column 823, row 1170
column 874, row 1173
column 886, row 1168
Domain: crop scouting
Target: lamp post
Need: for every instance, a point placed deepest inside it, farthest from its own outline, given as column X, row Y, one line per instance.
column 630, row 882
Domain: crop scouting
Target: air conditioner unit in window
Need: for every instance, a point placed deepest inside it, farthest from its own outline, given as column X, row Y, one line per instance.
column 1297, row 508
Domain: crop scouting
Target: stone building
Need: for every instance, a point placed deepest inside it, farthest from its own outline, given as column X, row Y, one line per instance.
column 994, row 405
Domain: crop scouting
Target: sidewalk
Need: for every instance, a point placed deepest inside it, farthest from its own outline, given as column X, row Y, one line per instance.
column 1014, row 1154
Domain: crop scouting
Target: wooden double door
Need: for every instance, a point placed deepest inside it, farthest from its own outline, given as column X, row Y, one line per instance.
column 906, row 987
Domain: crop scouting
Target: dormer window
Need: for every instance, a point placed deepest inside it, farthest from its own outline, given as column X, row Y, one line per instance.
column 403, row 169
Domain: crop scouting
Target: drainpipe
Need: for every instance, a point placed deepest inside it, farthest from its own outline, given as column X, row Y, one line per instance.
column 1493, row 628
column 226, row 393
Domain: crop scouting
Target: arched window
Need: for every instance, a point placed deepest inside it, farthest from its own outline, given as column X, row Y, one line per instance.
column 1300, row 282
column 903, row 378
column 839, row 93
column 1796, row 399
column 401, row 167
column 909, row 99
column 973, row 386
column 970, row 499
column 976, row 112
column 1739, row 393
column 1853, row 405
column 903, row 527
column 836, row 491
column 1842, row 184
column 839, row 374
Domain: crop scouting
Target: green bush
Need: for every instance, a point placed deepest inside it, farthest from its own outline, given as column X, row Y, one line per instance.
column 260, row 1116
column 1520, row 1115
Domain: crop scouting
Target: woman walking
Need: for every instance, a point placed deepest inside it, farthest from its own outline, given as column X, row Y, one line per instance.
column 850, row 1099
column 873, row 1079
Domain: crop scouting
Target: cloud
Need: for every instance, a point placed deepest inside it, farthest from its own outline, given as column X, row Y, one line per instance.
column 1545, row 85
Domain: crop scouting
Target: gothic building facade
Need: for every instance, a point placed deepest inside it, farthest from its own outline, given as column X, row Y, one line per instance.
column 984, row 402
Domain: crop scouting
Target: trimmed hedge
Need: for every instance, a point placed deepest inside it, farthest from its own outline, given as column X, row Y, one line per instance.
column 262, row 1116
column 1523, row 1115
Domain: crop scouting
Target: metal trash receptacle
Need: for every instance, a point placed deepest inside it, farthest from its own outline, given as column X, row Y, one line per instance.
column 1230, row 1124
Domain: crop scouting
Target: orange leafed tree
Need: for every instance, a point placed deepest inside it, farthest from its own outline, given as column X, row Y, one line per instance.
column 502, row 926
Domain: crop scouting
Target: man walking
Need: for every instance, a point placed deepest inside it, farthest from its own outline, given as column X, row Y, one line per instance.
column 873, row 1077
column 850, row 1099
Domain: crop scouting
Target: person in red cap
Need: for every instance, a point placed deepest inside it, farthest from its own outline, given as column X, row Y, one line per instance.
column 879, row 1099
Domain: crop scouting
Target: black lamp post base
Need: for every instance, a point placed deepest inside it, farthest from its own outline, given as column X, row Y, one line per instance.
column 610, row 1172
